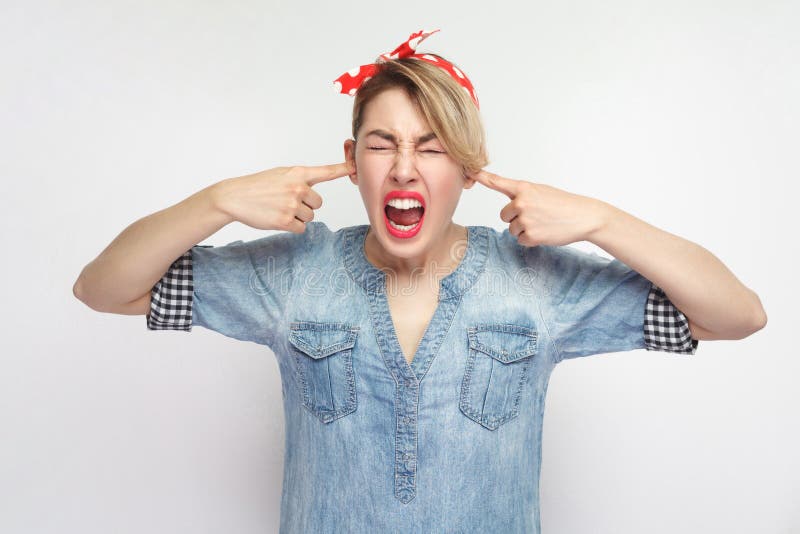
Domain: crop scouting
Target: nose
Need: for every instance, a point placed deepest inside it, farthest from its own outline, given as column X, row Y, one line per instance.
column 405, row 164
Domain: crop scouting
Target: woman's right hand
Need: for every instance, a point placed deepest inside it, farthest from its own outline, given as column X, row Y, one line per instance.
column 276, row 199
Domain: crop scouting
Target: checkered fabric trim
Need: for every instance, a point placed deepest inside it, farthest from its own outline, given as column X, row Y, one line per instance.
column 665, row 326
column 171, row 297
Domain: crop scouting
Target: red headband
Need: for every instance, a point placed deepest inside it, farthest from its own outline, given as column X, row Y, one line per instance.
column 349, row 82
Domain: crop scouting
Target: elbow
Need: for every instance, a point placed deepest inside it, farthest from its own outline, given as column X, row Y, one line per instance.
column 77, row 289
column 759, row 315
column 748, row 324
column 758, row 320
column 96, row 302
column 80, row 292
column 754, row 326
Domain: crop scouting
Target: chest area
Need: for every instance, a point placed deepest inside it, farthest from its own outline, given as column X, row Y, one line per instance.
column 411, row 314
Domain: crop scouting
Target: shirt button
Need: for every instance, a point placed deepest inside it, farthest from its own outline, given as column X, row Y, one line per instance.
column 408, row 420
column 408, row 456
column 409, row 383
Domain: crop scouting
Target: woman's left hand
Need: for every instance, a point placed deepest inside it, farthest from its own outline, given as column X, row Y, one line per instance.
column 540, row 214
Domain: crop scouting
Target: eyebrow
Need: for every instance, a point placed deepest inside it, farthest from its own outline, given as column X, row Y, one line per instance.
column 390, row 137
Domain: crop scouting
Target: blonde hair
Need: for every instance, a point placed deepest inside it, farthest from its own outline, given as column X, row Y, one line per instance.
column 447, row 107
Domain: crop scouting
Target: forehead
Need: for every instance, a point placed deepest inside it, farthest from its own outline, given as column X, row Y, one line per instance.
column 393, row 111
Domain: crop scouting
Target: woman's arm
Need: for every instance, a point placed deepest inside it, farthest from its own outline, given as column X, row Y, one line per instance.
column 716, row 303
column 119, row 280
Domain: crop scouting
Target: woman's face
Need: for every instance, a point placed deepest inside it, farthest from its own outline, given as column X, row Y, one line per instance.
column 396, row 151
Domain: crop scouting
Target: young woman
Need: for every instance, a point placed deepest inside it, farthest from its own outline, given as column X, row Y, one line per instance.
column 415, row 352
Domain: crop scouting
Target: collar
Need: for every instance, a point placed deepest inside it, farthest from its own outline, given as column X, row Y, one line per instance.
column 373, row 280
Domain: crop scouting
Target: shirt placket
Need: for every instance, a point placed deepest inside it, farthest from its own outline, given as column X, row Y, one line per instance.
column 405, row 465
column 406, row 399
column 407, row 383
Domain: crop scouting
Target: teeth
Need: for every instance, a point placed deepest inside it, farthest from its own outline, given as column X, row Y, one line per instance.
column 402, row 227
column 404, row 203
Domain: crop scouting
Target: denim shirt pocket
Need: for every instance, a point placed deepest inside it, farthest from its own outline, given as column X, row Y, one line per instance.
column 323, row 354
column 496, row 370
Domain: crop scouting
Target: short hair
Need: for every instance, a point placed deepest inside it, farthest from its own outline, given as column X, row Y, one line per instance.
column 445, row 104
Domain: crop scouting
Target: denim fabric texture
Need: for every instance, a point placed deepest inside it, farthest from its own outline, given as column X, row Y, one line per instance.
column 452, row 442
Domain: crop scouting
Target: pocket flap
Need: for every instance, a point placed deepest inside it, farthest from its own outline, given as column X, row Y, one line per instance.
column 503, row 342
column 319, row 340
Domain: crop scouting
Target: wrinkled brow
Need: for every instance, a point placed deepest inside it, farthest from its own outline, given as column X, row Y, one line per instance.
column 390, row 137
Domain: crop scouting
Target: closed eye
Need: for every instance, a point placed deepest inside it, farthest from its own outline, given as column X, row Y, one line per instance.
column 384, row 148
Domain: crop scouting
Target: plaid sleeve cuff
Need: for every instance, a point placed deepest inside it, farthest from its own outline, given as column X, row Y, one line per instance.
column 171, row 297
column 665, row 326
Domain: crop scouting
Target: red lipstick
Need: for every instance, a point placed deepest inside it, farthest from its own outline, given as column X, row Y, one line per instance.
column 411, row 232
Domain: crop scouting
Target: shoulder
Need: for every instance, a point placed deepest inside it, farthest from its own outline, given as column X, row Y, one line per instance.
column 545, row 259
column 506, row 249
column 317, row 242
column 287, row 245
column 316, row 233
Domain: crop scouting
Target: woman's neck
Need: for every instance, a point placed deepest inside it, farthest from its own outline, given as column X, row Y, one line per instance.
column 442, row 258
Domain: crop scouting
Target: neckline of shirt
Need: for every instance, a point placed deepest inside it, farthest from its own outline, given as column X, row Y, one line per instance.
column 453, row 285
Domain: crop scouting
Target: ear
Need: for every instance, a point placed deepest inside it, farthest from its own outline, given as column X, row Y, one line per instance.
column 350, row 157
column 468, row 182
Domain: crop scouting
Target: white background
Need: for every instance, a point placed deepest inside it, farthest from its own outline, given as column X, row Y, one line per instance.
column 682, row 113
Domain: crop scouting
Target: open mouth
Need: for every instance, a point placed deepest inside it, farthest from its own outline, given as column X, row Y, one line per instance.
column 404, row 215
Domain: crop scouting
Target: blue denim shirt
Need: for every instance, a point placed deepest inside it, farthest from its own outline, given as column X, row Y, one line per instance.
column 451, row 442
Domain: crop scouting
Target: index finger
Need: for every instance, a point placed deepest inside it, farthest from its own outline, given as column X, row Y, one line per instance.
column 323, row 173
column 507, row 186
